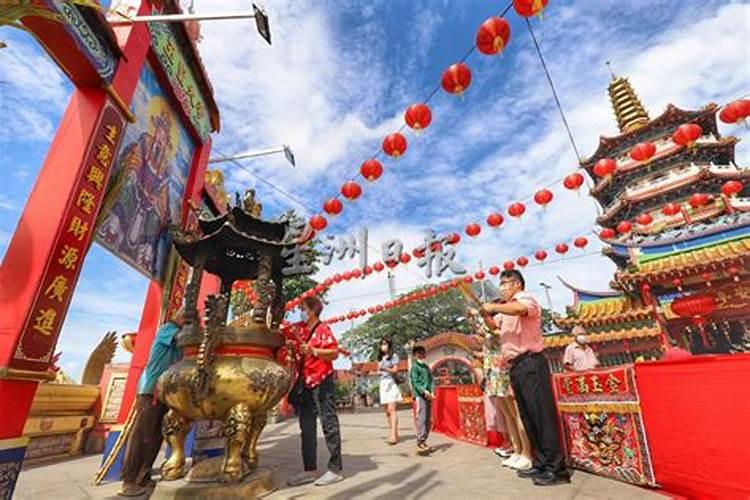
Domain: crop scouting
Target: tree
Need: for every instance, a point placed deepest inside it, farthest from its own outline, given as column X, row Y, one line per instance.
column 413, row 321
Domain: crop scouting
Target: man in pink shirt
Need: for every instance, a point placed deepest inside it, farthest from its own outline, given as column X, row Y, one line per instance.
column 520, row 324
column 578, row 356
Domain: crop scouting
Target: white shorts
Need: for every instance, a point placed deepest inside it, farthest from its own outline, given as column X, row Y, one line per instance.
column 389, row 392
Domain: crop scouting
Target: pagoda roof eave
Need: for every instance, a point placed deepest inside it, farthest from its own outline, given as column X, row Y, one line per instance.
column 608, row 143
column 740, row 220
column 724, row 142
column 580, row 291
column 247, row 224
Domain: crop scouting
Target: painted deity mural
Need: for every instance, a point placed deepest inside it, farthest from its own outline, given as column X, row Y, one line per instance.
column 149, row 182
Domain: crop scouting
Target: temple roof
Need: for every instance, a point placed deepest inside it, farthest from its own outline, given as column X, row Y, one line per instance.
column 558, row 341
column 671, row 115
column 584, row 295
column 690, row 262
column 689, row 235
column 249, row 225
column 468, row 342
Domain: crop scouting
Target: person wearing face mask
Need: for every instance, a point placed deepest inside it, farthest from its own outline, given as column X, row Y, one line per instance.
column 313, row 395
column 579, row 356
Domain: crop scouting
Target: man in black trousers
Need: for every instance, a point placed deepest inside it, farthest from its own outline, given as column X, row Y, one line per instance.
column 519, row 319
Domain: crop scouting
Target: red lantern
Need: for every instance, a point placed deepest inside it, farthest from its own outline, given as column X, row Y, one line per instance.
column 453, row 238
column 580, row 242
column 473, row 229
column 516, row 209
column 371, row 170
column 378, row 266
column 351, row 190
column 333, row 206
column 394, row 145
column 456, row 79
column 643, row 151
column 493, row 36
column 573, row 181
column 405, row 258
column 318, row 222
column 540, row 255
column 731, row 188
column 529, row 8
column 543, row 197
column 337, row 278
column 698, row 200
column 495, row 220
column 418, row 253
column 391, row 263
column 494, row 270
column 479, row 275
column 561, row 248
column 347, row 275
column 328, row 282
column 696, row 307
column 522, row 261
column 607, row 233
column 671, row 209
column 468, row 280
column 418, row 116
column 686, row 134
column 605, row 167
column 367, row 270
column 320, row 288
column 509, row 265
column 624, row 227
column 677, row 282
column 735, row 112
column 644, row 219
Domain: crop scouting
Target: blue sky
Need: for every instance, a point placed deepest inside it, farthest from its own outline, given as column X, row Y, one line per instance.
column 337, row 80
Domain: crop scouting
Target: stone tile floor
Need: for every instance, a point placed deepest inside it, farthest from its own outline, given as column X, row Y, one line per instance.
column 374, row 470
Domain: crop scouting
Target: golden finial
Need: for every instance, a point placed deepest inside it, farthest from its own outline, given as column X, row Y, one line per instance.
column 629, row 111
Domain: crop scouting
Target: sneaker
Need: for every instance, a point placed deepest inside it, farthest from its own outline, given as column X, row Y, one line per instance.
column 510, row 461
column 329, row 477
column 304, row 477
column 503, row 452
column 530, row 473
column 522, row 463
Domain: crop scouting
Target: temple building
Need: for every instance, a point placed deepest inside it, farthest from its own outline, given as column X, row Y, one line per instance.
column 676, row 219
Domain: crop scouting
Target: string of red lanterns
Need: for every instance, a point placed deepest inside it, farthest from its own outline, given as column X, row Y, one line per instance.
column 522, row 261
column 493, row 36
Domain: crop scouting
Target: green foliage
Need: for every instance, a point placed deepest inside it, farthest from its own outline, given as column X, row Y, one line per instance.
column 343, row 390
column 414, row 321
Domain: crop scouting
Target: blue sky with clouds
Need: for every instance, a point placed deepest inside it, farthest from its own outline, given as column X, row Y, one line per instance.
column 337, row 79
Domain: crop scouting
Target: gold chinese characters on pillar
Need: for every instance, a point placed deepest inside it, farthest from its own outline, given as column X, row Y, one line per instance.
column 37, row 341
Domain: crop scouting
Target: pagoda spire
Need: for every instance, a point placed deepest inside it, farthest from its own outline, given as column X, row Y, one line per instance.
column 629, row 111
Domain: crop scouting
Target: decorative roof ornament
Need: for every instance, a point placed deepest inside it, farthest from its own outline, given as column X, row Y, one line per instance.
column 629, row 111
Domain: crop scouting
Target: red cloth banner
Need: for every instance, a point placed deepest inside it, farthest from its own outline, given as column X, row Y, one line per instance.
column 445, row 414
column 39, row 334
column 697, row 416
column 602, row 427
column 458, row 412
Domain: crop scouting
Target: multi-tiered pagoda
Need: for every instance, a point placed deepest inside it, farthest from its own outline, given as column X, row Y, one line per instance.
column 677, row 224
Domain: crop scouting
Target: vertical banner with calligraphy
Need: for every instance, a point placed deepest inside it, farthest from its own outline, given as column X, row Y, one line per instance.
column 181, row 275
column 38, row 338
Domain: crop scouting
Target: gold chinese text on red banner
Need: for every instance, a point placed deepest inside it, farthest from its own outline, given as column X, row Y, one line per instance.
column 42, row 327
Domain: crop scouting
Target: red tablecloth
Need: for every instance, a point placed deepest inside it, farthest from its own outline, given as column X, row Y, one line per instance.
column 697, row 418
column 445, row 415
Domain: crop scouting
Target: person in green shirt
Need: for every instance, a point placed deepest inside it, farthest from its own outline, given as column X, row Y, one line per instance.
column 423, row 388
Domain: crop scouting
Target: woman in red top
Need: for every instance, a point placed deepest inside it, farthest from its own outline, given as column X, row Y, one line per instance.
column 316, row 349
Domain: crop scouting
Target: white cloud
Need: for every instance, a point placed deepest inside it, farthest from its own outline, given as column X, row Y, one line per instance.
column 32, row 90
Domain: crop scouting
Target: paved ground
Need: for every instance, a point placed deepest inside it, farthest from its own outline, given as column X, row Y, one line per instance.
column 374, row 470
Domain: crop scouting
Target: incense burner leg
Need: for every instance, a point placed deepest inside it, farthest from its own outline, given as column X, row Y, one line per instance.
column 250, row 452
column 236, row 429
column 175, row 429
